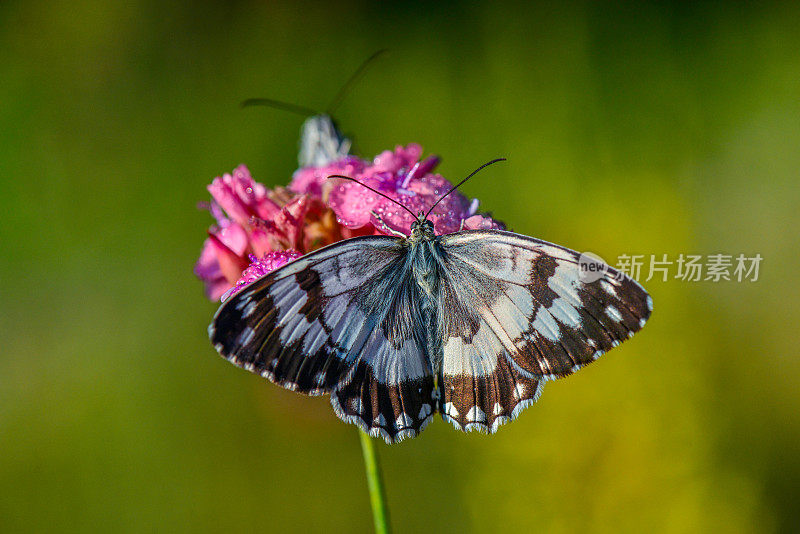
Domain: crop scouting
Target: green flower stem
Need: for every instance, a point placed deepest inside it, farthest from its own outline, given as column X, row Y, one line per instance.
column 377, row 496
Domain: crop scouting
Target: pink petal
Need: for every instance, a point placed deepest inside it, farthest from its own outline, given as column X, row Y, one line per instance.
column 260, row 267
column 230, row 263
column 233, row 236
column 311, row 180
column 353, row 203
column 480, row 222
column 261, row 240
column 208, row 270
column 217, row 288
column 393, row 161
column 241, row 197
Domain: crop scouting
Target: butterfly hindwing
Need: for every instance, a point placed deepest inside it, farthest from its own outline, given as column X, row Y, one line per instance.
column 486, row 400
column 391, row 392
column 513, row 310
column 342, row 321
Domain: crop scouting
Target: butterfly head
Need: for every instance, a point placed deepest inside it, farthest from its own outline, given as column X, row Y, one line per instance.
column 421, row 229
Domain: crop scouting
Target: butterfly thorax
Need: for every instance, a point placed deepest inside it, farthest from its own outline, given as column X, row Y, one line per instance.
column 421, row 230
column 423, row 258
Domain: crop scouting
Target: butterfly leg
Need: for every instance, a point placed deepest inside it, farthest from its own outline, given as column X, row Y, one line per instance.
column 385, row 227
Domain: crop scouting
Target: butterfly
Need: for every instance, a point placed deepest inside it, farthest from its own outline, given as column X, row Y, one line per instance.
column 397, row 328
column 321, row 141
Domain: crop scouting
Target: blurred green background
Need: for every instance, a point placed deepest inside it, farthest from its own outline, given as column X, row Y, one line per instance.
column 629, row 128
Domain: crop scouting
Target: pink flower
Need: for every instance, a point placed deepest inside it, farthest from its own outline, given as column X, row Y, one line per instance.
column 241, row 197
column 259, row 230
column 400, row 175
column 252, row 222
column 314, row 180
column 259, row 267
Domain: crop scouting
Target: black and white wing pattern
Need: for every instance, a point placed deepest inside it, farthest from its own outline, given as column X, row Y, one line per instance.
column 514, row 313
column 339, row 321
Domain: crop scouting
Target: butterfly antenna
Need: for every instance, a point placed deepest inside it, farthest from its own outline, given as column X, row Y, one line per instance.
column 337, row 100
column 374, row 191
column 459, row 184
column 277, row 104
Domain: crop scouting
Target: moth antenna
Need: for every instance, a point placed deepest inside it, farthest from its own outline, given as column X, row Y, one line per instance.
column 374, row 191
column 459, row 184
column 306, row 111
column 277, row 104
column 337, row 100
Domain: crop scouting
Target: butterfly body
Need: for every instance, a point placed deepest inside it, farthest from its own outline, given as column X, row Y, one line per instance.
column 395, row 329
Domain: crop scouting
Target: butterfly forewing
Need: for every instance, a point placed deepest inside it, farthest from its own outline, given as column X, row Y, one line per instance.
column 513, row 313
column 342, row 321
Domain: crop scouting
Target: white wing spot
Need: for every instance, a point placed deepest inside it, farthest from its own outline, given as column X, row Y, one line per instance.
column 565, row 312
column 249, row 309
column 615, row 343
column 319, row 378
column 380, row 420
column 475, row 358
column 641, row 322
column 556, row 253
column 519, row 391
column 356, row 405
column 404, row 421
column 498, row 409
column 545, row 325
column 425, row 411
column 608, row 287
column 245, row 336
column 612, row 312
column 450, row 410
column 476, row 414
column 649, row 303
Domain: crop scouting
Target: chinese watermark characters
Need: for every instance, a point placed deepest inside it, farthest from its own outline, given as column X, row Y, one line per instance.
column 684, row 267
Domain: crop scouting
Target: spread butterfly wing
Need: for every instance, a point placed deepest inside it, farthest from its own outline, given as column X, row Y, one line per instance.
column 339, row 321
column 521, row 315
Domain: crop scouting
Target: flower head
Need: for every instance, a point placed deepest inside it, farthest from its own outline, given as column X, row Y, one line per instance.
column 252, row 222
column 258, row 229
column 400, row 175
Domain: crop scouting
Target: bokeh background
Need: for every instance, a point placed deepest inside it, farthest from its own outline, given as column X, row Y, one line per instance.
column 629, row 128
